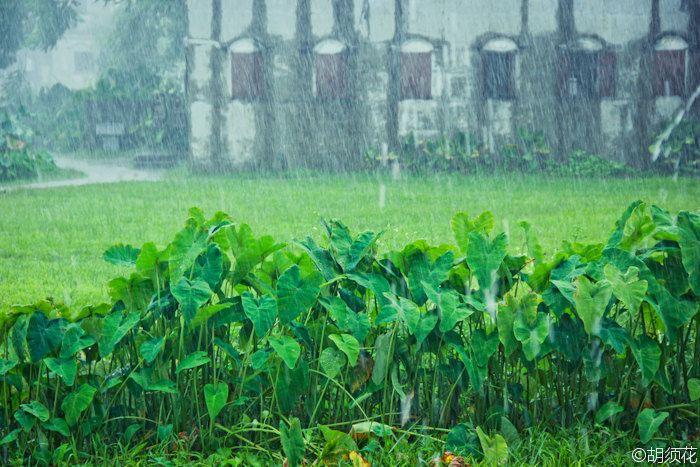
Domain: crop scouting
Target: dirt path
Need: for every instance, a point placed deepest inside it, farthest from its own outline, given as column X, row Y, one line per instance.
column 95, row 172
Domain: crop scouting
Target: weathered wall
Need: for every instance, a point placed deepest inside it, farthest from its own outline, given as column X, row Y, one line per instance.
column 292, row 127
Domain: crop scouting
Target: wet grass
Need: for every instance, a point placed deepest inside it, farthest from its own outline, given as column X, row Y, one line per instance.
column 51, row 241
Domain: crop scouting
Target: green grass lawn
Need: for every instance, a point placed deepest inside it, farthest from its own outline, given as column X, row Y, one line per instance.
column 51, row 241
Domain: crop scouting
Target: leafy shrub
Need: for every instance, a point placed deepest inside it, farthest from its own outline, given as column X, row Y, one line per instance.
column 18, row 159
column 583, row 164
column 225, row 334
column 465, row 153
column 681, row 151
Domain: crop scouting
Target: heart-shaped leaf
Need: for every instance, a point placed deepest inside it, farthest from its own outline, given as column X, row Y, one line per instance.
column 115, row 326
column 332, row 361
column 295, row 294
column 43, row 336
column 485, row 256
column 191, row 295
column 74, row 340
column 121, row 255
column 77, row 402
column 494, row 447
column 287, row 348
column 6, row 365
column 292, row 442
column 628, row 288
column 689, row 241
column 608, row 410
column 591, row 299
column 648, row 356
column 215, row 396
column 151, row 348
column 462, row 226
column 425, row 326
column 348, row 345
column 193, row 360
column 65, row 368
column 694, row 389
column 58, row 425
column 531, row 335
column 37, row 409
column 649, row 422
column 262, row 312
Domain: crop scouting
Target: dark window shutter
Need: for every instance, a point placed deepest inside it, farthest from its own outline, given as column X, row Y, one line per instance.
column 584, row 68
column 607, row 73
column 246, row 76
column 331, row 75
column 670, row 72
column 499, row 75
column 416, row 75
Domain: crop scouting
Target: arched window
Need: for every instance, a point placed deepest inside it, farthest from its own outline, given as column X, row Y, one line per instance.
column 498, row 58
column 588, row 68
column 246, row 71
column 331, row 69
column 416, row 69
column 670, row 66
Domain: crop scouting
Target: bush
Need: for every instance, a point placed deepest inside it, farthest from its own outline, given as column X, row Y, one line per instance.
column 680, row 153
column 18, row 159
column 223, row 333
column 465, row 153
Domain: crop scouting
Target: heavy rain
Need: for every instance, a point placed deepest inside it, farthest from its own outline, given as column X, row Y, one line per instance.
column 349, row 232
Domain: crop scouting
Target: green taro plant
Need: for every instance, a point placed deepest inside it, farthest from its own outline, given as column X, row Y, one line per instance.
column 319, row 348
column 18, row 158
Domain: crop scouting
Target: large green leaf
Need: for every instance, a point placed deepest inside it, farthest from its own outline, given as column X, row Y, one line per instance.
column 425, row 326
column 638, row 227
column 295, row 294
column 212, row 266
column 591, row 300
column 77, row 402
column 451, row 310
column 462, row 226
column 187, row 245
column 374, row 282
column 191, row 295
column 121, row 255
column 608, row 410
column 163, row 385
column 628, row 288
column 58, row 425
column 332, row 361
column 422, row 271
column 193, row 360
column 648, row 356
column 348, row 345
column 494, row 447
column 115, row 326
column 649, row 422
column 531, row 335
column 348, row 251
column 261, row 311
column 462, row 440
column 287, row 348
column 382, row 347
column 292, row 442
column 694, row 389
column 37, row 409
column 215, row 397
column 321, row 257
column 404, row 309
column 151, row 348
column 6, row 365
column 689, row 241
column 485, row 256
column 65, row 368
column 74, row 340
column 43, row 336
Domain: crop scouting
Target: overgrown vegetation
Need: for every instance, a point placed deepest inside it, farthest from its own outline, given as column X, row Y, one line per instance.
column 466, row 153
column 223, row 338
column 18, row 157
column 680, row 153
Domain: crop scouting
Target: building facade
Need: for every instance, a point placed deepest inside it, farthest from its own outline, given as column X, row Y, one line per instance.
column 316, row 83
